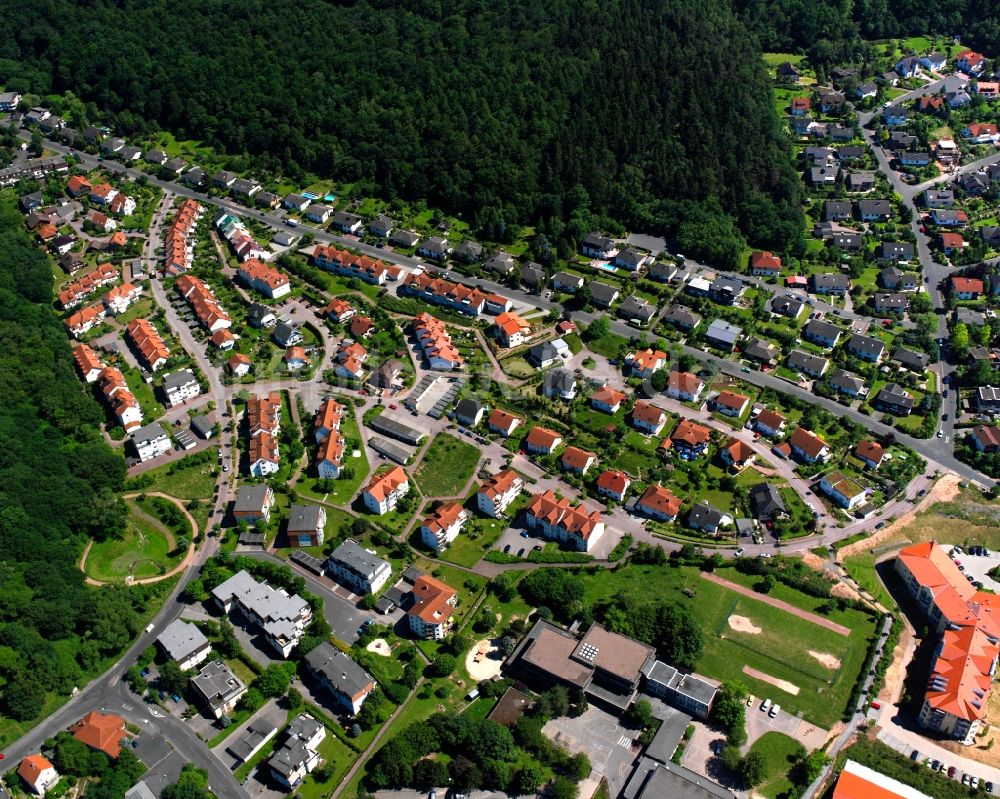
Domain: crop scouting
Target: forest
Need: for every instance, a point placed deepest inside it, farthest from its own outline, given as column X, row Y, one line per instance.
column 833, row 31
column 58, row 485
column 655, row 115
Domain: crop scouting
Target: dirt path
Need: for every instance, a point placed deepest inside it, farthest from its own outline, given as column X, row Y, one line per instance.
column 944, row 490
column 178, row 569
column 784, row 685
column 840, row 629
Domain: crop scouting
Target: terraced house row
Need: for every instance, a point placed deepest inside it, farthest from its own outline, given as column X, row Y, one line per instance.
column 143, row 337
column 263, row 425
column 178, row 242
column 349, row 264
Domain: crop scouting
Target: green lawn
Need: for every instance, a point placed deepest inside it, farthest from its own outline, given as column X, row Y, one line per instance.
column 517, row 367
column 142, row 552
column 779, row 752
column 334, row 751
column 862, row 570
column 446, row 467
column 344, row 488
column 608, row 345
column 780, row 650
column 143, row 391
column 188, row 479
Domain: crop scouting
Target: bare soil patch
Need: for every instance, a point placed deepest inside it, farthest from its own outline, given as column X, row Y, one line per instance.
column 380, row 647
column 744, row 625
column 784, row 685
column 483, row 661
column 944, row 490
column 829, row 661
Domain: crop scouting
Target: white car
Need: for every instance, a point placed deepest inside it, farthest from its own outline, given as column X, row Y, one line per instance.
column 775, row 709
column 765, row 705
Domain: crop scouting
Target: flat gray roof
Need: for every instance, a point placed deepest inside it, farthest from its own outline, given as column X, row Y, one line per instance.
column 180, row 639
column 356, row 558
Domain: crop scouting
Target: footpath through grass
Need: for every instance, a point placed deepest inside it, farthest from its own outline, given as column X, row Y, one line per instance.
column 140, row 553
column 447, row 466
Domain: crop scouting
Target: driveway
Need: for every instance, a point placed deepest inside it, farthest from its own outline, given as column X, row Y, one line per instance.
column 611, row 748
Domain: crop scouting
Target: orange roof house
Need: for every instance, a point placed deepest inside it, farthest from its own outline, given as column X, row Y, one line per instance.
column 737, row 454
column 78, row 185
column 871, row 452
column 690, row 435
column 648, row 417
column 502, row 422
column 613, row 483
column 541, row 439
column 659, row 502
column 607, row 399
column 560, row 520
column 860, row 782
column 577, row 460
column 38, row 773
column 969, row 621
column 101, row 731
column 763, row 261
column 430, row 614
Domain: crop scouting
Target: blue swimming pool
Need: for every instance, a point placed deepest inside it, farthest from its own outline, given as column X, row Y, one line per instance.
column 309, row 195
column 605, row 266
column 329, row 198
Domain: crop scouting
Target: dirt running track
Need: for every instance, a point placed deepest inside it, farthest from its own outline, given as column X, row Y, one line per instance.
column 840, row 629
column 180, row 567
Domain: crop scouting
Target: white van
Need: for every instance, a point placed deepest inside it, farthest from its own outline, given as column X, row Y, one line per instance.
column 766, row 705
column 775, row 709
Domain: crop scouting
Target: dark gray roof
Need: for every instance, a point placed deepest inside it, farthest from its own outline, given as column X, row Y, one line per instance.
column 760, row 350
column 253, row 737
column 766, row 501
column 911, row 359
column 250, row 498
column 468, row 408
column 636, row 308
column 866, row 344
column 817, row 328
column 602, row 293
column 895, row 394
column 875, row 208
column 217, row 683
column 897, row 250
column 831, row 280
column 145, row 435
column 787, row 306
column 558, row 381
column 203, row 425
column 532, row 273
column 806, row 362
column 337, row 668
column 303, row 518
column 844, row 380
column 705, row 514
column 682, row 317
column 175, row 380
column 654, row 780
column 357, row 558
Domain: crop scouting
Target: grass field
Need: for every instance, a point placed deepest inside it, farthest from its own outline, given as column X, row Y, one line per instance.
column 945, row 528
column 779, row 752
column 823, row 693
column 862, row 569
column 142, row 552
column 189, row 478
column 446, row 467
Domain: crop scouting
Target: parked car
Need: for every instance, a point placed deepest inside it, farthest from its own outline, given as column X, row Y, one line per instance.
column 775, row 710
column 951, row 771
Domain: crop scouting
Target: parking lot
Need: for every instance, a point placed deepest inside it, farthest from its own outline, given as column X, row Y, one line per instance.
column 978, row 565
column 518, row 541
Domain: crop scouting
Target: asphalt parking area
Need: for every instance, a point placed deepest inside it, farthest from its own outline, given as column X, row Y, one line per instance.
column 978, row 565
column 515, row 539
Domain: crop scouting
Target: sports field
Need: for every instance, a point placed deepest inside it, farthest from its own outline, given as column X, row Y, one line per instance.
column 802, row 665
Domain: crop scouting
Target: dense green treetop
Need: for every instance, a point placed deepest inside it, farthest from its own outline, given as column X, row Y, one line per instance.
column 553, row 113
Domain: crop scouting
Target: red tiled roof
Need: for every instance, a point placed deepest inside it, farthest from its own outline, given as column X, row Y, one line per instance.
column 660, row 499
column 31, row 768
column 609, row 396
column 542, row 438
column 101, row 731
column 870, row 450
column 384, row 484
column 434, row 600
column 577, row 521
column 764, row 260
column 613, row 481
column 967, row 284
column 691, row 433
column 501, row 420
column 576, row 458
column 807, row 441
column 730, row 399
